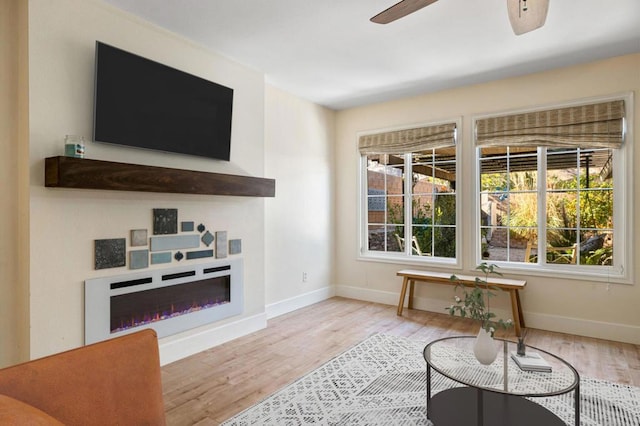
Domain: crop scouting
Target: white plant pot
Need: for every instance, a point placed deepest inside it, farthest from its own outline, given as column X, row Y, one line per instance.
column 485, row 348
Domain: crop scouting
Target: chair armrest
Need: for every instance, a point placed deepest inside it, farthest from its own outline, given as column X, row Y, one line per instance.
column 112, row 382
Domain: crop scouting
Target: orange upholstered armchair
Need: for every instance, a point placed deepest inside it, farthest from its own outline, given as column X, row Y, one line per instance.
column 115, row 382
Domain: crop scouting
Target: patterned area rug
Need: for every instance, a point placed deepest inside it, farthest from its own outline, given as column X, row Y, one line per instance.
column 381, row 381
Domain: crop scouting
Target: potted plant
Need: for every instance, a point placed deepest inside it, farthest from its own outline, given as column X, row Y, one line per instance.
column 475, row 304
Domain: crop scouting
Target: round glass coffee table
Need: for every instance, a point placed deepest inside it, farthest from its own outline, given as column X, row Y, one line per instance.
column 494, row 394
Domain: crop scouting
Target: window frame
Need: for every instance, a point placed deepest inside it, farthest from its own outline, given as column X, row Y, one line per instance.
column 407, row 257
column 623, row 176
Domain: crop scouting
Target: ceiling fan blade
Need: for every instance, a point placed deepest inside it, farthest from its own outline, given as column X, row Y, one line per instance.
column 400, row 10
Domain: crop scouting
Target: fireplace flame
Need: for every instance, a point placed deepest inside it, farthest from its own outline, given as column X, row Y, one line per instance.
column 148, row 318
column 145, row 307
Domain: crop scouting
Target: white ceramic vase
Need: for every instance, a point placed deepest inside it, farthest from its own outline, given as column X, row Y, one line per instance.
column 485, row 348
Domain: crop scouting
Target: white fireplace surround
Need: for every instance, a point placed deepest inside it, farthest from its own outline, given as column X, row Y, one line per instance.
column 98, row 293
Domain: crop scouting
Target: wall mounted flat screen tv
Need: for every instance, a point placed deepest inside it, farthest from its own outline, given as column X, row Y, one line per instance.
column 145, row 104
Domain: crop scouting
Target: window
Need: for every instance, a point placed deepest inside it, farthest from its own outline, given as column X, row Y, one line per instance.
column 547, row 182
column 409, row 194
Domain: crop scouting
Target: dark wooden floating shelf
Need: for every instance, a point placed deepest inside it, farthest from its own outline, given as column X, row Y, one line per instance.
column 69, row 172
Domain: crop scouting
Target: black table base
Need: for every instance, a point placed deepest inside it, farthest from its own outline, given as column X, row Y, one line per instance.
column 468, row 406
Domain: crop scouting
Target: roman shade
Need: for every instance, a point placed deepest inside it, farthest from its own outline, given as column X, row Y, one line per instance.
column 594, row 126
column 408, row 140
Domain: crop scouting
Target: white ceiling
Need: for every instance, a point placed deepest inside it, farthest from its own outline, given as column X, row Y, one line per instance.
column 327, row 51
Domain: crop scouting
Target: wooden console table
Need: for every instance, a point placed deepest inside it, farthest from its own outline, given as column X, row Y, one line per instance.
column 512, row 286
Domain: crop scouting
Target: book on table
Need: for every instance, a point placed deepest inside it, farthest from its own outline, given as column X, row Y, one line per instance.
column 532, row 361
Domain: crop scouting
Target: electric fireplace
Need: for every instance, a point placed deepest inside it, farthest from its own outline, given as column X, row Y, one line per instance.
column 167, row 300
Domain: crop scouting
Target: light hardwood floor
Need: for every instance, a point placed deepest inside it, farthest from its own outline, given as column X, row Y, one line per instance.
column 209, row 387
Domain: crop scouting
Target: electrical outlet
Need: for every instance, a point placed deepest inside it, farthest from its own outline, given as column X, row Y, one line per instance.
column 304, row 277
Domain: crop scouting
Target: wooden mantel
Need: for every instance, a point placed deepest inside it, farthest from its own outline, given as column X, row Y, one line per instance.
column 69, row 172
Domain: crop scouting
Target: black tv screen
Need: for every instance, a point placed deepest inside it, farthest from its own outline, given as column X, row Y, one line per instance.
column 145, row 104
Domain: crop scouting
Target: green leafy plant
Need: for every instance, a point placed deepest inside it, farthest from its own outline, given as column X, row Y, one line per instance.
column 601, row 256
column 433, row 226
column 475, row 300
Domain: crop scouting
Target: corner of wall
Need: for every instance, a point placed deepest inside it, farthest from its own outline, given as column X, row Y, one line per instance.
column 14, row 194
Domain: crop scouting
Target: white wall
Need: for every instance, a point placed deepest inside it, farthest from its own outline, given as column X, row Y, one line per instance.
column 580, row 306
column 64, row 223
column 299, row 143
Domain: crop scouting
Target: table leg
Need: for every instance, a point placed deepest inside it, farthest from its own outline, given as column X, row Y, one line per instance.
column 428, row 388
column 480, row 408
column 411, row 284
column 577, row 403
column 403, row 293
column 520, row 314
column 505, row 364
column 516, row 311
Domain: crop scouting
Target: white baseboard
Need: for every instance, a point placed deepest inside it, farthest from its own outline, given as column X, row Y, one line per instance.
column 173, row 349
column 582, row 327
column 289, row 305
column 368, row 295
column 578, row 326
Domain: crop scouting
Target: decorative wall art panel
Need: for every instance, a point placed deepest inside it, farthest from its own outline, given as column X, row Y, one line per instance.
column 138, row 237
column 199, row 254
column 221, row 244
column 177, row 242
column 138, row 259
column 164, row 257
column 165, row 221
column 169, row 241
column 235, row 246
column 110, row 253
column 207, row 238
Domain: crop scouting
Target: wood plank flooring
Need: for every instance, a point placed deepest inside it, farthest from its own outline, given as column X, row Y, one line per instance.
column 209, row 387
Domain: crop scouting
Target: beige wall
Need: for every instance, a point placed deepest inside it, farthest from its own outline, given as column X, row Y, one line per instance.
column 64, row 223
column 299, row 142
column 14, row 187
column 580, row 306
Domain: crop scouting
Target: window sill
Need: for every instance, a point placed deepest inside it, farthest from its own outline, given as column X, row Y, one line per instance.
column 423, row 261
column 593, row 274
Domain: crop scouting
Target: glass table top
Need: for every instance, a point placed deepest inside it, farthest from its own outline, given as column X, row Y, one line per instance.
column 453, row 357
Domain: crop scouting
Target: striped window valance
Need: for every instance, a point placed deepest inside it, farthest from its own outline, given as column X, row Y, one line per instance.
column 595, row 126
column 408, row 140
